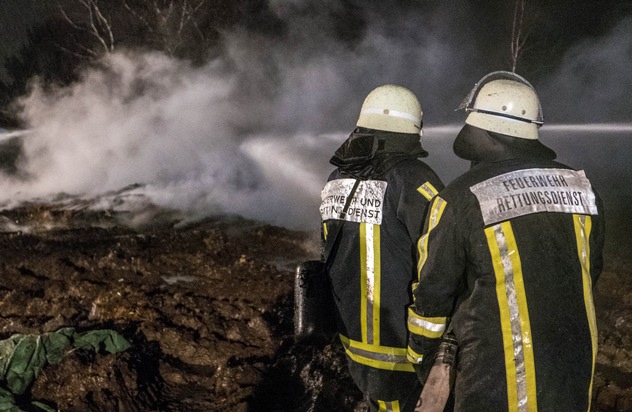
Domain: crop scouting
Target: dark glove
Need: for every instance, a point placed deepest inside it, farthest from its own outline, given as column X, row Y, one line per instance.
column 423, row 369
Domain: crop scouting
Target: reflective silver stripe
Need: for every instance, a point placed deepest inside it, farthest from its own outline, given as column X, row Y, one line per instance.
column 514, row 317
column 436, row 214
column 381, row 357
column 436, row 211
column 583, row 227
column 370, row 281
column 528, row 191
column 433, row 327
column 583, row 250
column 394, row 113
column 427, row 190
column 375, row 356
column 414, row 357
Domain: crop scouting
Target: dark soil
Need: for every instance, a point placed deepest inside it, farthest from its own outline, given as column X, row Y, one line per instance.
column 208, row 308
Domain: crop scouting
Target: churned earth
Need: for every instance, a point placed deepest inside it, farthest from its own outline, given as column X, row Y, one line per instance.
column 207, row 306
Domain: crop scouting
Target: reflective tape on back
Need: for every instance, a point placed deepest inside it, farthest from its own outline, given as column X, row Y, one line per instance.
column 583, row 227
column 514, row 319
column 366, row 206
column 523, row 192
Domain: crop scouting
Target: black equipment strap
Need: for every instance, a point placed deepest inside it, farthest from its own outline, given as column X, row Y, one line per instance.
column 343, row 214
column 333, row 237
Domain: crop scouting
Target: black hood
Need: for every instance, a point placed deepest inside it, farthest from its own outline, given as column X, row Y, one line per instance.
column 368, row 152
column 478, row 145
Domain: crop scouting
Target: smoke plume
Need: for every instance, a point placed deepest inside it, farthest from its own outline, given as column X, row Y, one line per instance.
column 251, row 132
column 592, row 83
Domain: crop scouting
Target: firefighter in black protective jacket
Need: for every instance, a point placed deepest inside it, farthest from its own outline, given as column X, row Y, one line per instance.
column 508, row 258
column 372, row 256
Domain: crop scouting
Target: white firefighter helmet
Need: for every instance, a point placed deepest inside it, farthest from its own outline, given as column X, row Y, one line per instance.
column 506, row 103
column 391, row 108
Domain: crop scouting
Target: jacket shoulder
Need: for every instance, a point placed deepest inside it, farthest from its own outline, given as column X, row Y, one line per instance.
column 416, row 168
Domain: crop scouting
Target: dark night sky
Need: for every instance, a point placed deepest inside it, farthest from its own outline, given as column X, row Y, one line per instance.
column 577, row 54
column 16, row 17
column 560, row 23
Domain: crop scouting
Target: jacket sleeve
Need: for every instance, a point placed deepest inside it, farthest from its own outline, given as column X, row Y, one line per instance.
column 441, row 266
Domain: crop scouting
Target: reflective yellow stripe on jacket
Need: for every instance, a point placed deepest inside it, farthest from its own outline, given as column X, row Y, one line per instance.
column 385, row 406
column 370, row 282
column 431, row 328
column 583, row 226
column 414, row 357
column 514, row 312
column 380, row 357
column 514, row 318
column 416, row 324
column 427, row 190
column 434, row 216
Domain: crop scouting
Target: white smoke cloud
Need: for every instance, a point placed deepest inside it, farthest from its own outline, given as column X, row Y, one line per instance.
column 592, row 85
column 139, row 120
column 251, row 132
column 593, row 81
column 155, row 121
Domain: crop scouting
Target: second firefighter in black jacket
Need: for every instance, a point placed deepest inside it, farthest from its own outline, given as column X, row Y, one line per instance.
column 510, row 253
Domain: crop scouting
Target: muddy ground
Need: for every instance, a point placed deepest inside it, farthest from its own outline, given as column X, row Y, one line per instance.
column 208, row 308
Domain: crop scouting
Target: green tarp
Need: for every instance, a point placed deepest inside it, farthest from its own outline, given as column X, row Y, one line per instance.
column 22, row 358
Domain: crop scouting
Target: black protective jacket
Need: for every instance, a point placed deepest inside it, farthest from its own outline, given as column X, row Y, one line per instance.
column 372, row 263
column 510, row 252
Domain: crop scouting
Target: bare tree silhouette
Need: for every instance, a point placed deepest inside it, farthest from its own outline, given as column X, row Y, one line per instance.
column 95, row 24
column 180, row 28
column 518, row 33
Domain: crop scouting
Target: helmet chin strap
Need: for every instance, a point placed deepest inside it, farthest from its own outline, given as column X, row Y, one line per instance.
column 508, row 116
